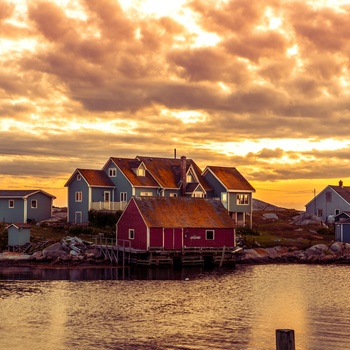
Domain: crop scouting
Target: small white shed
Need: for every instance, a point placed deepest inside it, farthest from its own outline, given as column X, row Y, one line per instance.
column 18, row 235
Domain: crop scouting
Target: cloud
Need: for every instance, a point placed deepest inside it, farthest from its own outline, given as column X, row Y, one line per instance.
column 87, row 80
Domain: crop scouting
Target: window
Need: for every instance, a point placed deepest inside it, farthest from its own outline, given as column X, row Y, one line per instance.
column 34, row 204
column 336, row 211
column 11, row 203
column 209, row 235
column 78, row 196
column 123, row 196
column 198, row 194
column 112, row 172
column 146, row 194
column 189, row 178
column 319, row 213
column 78, row 177
column 131, row 233
column 224, row 197
column 141, row 171
column 242, row 199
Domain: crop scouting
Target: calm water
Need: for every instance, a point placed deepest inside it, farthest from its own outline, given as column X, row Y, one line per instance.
column 158, row 309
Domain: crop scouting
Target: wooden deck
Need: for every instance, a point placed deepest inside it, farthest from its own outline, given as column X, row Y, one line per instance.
column 121, row 253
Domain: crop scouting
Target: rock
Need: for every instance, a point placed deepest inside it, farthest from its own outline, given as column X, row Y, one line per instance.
column 54, row 251
column 270, row 216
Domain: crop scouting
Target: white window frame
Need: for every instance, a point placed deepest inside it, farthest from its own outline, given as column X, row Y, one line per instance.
column 189, row 178
column 146, row 194
column 206, row 235
column 112, row 172
column 198, row 194
column 224, row 197
column 36, row 204
column 242, row 199
column 78, row 196
column 141, row 171
column 11, row 203
column 123, row 196
column 131, row 233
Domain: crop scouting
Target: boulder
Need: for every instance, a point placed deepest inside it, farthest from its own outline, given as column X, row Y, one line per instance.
column 54, row 251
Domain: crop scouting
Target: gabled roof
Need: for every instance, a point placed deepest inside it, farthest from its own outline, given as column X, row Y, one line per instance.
column 94, row 178
column 22, row 193
column 343, row 191
column 183, row 212
column 128, row 167
column 230, row 178
column 167, row 171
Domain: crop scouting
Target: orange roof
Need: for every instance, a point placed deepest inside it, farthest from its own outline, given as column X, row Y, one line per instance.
column 128, row 167
column 231, row 178
column 183, row 212
column 167, row 171
column 96, row 177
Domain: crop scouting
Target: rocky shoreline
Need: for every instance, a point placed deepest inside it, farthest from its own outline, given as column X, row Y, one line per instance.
column 56, row 256
column 336, row 253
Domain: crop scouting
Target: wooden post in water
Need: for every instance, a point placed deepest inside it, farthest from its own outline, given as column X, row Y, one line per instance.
column 285, row 339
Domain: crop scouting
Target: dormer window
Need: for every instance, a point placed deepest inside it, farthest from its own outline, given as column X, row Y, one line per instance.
column 141, row 171
column 189, row 178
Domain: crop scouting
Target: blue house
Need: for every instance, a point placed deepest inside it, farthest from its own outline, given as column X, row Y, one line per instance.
column 233, row 189
column 121, row 179
column 22, row 206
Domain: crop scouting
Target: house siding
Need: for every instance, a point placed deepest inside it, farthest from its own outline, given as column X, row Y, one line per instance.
column 120, row 181
column 17, row 236
column 196, row 237
column 156, row 238
column 43, row 210
column 241, row 208
column 12, row 215
column 342, row 232
column 75, row 207
column 131, row 219
column 217, row 186
column 328, row 201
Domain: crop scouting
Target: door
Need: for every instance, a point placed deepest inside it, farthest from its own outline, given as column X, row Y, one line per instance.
column 107, row 199
column 78, row 217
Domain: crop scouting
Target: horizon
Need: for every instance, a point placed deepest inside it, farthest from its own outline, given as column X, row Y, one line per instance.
column 262, row 86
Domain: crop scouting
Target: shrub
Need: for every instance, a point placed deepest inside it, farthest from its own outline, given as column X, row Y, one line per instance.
column 325, row 231
column 103, row 219
column 247, row 231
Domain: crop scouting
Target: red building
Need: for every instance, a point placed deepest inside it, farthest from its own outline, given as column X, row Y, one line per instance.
column 177, row 223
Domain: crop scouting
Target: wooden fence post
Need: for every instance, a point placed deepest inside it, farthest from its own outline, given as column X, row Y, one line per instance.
column 285, row 339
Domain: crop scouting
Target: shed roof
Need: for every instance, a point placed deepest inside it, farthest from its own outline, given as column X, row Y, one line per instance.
column 230, row 177
column 183, row 212
column 21, row 193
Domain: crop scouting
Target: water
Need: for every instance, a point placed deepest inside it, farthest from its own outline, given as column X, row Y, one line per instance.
column 160, row 309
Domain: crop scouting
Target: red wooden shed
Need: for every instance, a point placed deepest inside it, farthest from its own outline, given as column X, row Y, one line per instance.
column 172, row 223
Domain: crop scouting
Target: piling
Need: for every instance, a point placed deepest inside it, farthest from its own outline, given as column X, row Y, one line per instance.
column 285, row 339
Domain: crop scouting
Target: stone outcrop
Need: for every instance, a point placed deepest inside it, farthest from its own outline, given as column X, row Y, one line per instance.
column 320, row 253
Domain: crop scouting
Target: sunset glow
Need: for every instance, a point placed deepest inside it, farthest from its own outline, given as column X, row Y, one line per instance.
column 262, row 86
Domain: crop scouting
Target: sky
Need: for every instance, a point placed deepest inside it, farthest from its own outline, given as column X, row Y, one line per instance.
column 261, row 85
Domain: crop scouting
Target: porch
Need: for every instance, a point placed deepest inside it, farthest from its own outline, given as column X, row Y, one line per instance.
column 108, row 205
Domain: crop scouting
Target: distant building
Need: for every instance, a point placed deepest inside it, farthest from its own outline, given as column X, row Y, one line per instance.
column 22, row 206
column 330, row 202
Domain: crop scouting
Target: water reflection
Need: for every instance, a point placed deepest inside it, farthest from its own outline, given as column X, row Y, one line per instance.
column 186, row 309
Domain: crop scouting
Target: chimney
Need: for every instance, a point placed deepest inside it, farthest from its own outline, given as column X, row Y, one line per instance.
column 340, row 183
column 174, row 153
column 183, row 176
